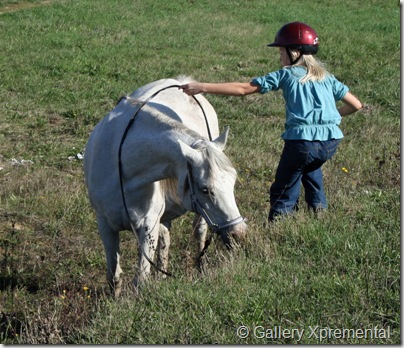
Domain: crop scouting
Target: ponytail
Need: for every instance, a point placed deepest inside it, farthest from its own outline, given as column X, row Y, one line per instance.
column 316, row 70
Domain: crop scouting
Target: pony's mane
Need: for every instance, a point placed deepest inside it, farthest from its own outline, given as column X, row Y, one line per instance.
column 184, row 79
column 181, row 80
column 216, row 159
column 217, row 162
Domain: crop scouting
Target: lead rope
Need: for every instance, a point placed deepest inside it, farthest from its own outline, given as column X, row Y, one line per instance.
column 130, row 123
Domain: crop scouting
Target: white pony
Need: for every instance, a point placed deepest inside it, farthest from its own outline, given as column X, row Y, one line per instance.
column 148, row 162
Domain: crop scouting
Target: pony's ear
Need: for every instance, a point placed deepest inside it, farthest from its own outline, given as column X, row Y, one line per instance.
column 188, row 152
column 221, row 140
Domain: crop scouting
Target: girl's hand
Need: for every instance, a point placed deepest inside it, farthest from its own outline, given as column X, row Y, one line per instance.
column 192, row 88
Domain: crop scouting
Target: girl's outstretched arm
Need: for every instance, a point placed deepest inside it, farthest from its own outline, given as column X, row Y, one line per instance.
column 228, row 88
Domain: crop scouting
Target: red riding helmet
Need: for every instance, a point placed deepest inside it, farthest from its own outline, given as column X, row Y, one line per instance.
column 298, row 36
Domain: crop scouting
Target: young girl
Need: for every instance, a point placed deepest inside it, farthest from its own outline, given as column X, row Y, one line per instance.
column 312, row 134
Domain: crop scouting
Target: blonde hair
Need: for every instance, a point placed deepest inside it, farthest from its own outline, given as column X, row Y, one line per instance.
column 316, row 70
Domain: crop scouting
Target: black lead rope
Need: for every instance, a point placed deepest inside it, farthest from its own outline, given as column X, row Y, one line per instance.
column 130, row 123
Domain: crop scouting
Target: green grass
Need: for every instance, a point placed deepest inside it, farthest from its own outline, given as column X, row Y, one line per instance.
column 63, row 67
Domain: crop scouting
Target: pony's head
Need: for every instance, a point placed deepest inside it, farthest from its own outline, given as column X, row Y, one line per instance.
column 207, row 186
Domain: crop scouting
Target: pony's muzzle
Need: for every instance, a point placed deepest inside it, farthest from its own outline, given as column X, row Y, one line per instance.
column 234, row 234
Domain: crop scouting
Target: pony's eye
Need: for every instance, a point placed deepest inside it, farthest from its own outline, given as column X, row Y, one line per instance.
column 207, row 191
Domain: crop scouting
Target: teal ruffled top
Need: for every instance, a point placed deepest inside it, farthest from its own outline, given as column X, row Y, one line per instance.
column 311, row 111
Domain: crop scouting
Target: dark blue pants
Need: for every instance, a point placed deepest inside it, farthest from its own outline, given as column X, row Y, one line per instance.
column 300, row 163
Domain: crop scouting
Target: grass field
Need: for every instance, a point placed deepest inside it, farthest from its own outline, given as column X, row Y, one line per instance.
column 65, row 63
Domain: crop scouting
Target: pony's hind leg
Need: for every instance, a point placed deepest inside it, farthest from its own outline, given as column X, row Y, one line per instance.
column 110, row 239
column 163, row 248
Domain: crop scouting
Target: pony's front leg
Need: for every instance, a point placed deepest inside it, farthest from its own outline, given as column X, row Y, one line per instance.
column 163, row 248
column 110, row 240
column 200, row 228
column 148, row 239
column 147, row 208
